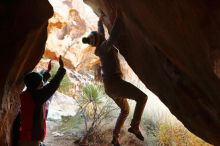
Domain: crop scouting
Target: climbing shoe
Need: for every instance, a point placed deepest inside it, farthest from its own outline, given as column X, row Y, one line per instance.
column 115, row 142
column 137, row 133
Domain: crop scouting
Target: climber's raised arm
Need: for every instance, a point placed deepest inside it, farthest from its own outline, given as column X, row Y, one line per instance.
column 100, row 24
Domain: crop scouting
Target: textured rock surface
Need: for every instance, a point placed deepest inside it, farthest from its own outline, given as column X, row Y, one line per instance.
column 173, row 47
column 71, row 21
column 23, row 32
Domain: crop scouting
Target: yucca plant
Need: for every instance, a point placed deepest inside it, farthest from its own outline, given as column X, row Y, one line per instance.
column 91, row 97
column 94, row 107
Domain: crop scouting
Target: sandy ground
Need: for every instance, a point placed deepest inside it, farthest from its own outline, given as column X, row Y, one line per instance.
column 55, row 138
column 62, row 105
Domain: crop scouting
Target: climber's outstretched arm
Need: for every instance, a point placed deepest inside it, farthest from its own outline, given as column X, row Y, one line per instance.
column 100, row 24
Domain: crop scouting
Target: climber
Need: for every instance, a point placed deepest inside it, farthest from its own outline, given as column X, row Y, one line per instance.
column 33, row 120
column 118, row 89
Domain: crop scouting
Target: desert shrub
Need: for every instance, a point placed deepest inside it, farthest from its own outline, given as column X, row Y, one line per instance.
column 152, row 131
column 71, row 122
column 177, row 135
column 95, row 108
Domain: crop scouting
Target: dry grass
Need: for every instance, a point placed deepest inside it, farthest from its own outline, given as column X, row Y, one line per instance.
column 177, row 135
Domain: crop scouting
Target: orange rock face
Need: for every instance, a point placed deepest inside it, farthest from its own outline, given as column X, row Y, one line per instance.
column 173, row 47
column 65, row 33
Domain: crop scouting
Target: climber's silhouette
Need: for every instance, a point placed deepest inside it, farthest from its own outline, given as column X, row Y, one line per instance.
column 118, row 89
column 33, row 124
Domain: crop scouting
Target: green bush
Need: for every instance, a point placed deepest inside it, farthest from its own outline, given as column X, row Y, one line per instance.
column 71, row 122
column 95, row 108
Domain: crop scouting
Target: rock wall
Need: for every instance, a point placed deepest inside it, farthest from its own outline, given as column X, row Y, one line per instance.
column 173, row 47
column 71, row 21
column 23, row 32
